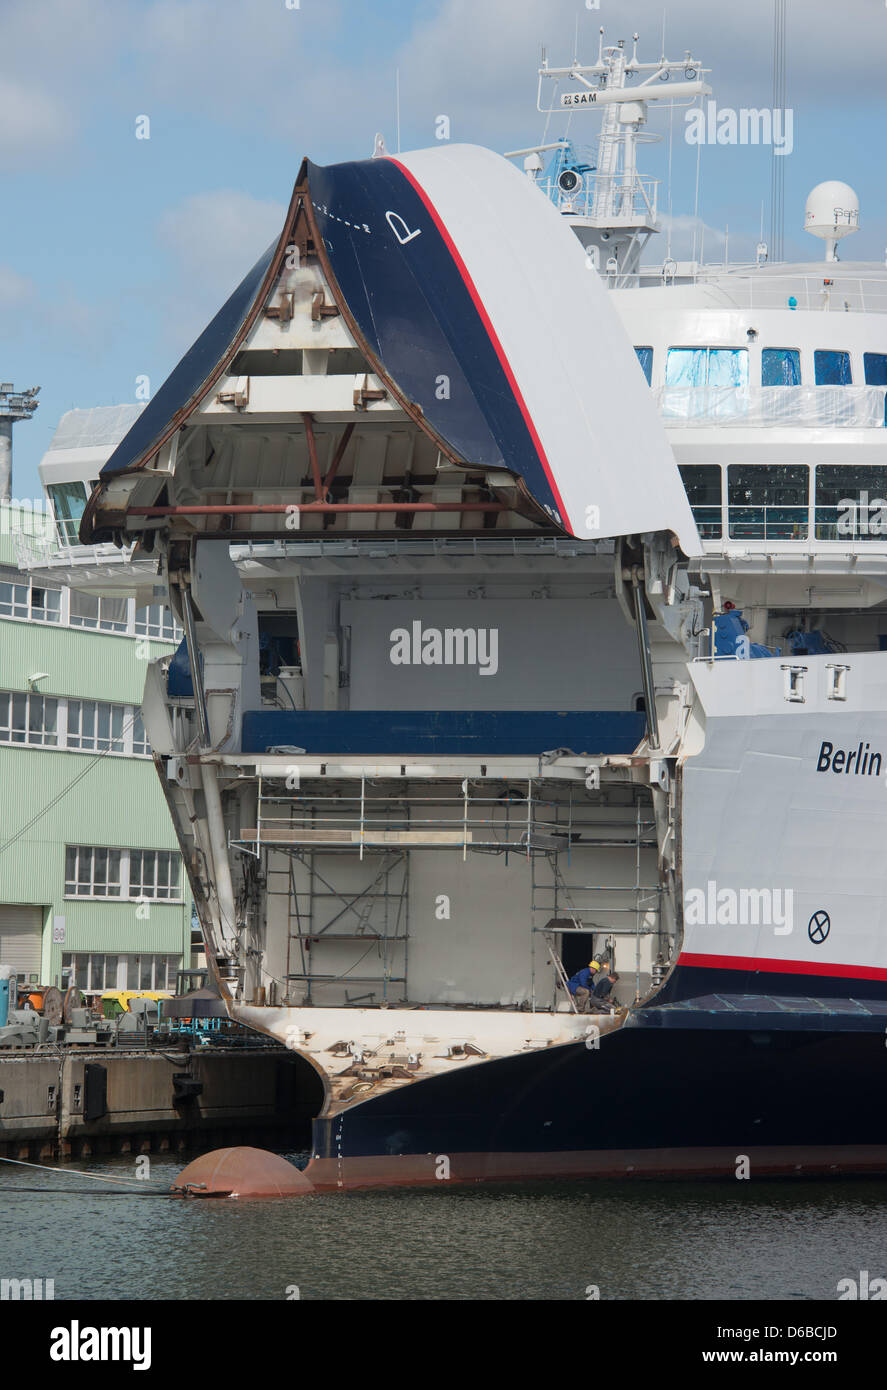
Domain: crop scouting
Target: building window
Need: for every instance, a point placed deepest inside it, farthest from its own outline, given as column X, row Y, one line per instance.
column 92, row 872
column 21, row 598
column 28, row 718
column 153, row 873
column 94, row 726
column 94, row 971
column 768, row 503
column 103, row 614
column 33, row 601
column 78, row 726
column 832, row 368
column 851, row 503
column 645, row 357
column 132, row 875
column 702, row 483
column 140, row 746
column 157, row 621
column 152, row 971
column 780, row 367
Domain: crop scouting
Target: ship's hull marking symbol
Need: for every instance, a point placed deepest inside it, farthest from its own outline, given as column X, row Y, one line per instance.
column 819, row 927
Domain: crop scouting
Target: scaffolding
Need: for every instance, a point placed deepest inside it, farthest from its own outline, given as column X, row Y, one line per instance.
column 378, row 822
column 574, row 908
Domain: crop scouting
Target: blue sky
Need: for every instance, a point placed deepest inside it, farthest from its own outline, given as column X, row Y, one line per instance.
column 114, row 251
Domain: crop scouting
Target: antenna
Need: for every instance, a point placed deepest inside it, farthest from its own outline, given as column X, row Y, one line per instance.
column 397, row 103
column 670, row 144
column 14, row 406
column 777, row 164
column 832, row 213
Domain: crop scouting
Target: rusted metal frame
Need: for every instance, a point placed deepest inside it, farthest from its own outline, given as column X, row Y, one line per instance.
column 308, row 422
column 338, row 456
column 257, row 509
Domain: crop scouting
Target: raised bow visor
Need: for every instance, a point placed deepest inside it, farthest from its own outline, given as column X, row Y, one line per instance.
column 470, row 299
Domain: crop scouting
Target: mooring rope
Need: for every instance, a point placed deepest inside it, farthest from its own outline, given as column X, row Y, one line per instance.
column 86, row 1192
column 72, row 1172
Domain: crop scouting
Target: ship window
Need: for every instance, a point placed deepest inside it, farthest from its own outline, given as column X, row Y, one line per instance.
column 780, row 367
column 851, row 502
column 700, row 366
column 768, row 502
column 702, row 484
column 832, row 368
column 728, row 367
column 68, row 501
column 645, row 357
column 875, row 365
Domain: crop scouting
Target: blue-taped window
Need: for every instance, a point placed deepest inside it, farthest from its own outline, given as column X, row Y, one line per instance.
column 875, row 365
column 699, row 366
column 727, row 367
column 780, row 367
column 645, row 357
column 832, row 368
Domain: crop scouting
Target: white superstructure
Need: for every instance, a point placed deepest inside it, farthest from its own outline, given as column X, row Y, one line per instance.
column 481, row 693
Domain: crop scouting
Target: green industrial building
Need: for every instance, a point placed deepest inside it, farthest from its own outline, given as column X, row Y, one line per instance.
column 92, row 888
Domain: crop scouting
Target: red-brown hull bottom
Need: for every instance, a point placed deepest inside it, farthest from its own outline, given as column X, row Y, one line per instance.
column 416, row 1170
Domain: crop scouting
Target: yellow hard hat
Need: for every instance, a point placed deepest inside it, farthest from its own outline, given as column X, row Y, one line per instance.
column 594, row 965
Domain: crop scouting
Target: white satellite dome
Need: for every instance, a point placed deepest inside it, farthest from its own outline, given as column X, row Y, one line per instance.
column 832, row 213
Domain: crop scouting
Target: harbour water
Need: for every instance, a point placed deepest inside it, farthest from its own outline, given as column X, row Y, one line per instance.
column 694, row 1241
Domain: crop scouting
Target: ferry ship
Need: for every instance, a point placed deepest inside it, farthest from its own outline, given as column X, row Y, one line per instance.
column 534, row 612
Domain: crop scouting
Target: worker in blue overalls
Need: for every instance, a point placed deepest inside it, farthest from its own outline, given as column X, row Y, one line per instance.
column 581, row 985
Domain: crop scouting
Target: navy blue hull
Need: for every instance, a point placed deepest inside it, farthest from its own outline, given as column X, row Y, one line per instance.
column 683, row 1088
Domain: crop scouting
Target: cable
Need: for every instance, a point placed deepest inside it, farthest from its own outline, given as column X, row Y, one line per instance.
column 83, row 1192
column 71, row 785
column 67, row 1172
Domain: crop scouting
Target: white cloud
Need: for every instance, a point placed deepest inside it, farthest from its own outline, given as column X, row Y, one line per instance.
column 33, row 122
column 315, row 74
column 216, row 237
column 15, row 289
column 213, row 239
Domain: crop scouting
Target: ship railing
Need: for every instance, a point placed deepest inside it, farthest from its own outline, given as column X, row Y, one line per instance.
column 45, row 551
column 754, row 287
column 792, row 407
column 520, row 820
column 608, row 199
column 853, row 523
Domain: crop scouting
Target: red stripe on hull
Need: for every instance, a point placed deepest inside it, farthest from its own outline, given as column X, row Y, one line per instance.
column 761, row 964
column 491, row 332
